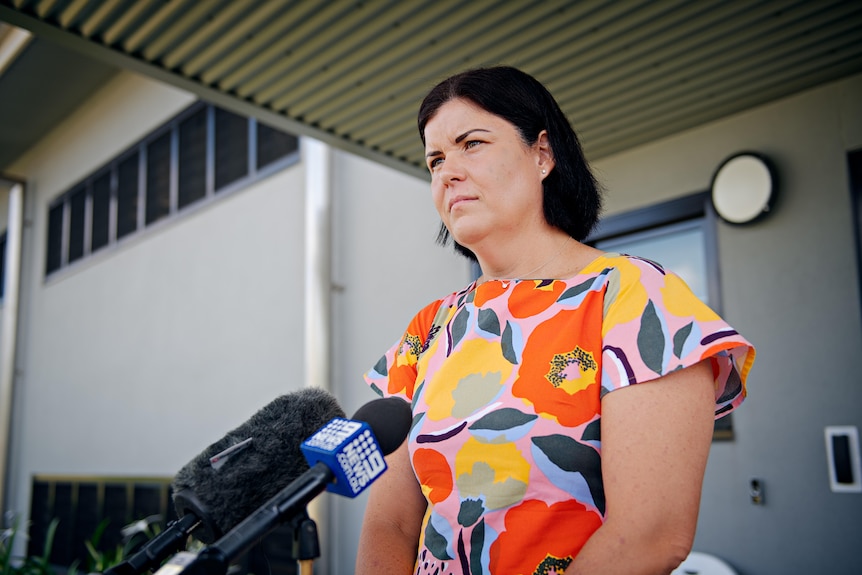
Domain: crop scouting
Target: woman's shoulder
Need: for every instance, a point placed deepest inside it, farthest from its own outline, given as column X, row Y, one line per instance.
column 634, row 280
column 623, row 269
column 624, row 263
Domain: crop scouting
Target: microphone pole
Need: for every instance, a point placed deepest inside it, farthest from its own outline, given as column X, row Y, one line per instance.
column 307, row 544
column 345, row 457
column 215, row 559
column 168, row 541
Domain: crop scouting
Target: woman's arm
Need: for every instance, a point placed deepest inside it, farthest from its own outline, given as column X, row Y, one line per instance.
column 655, row 442
column 393, row 520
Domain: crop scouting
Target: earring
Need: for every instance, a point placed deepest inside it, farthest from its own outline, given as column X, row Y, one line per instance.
column 544, row 171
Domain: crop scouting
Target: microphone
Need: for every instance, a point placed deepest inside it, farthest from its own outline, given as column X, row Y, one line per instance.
column 345, row 457
column 356, row 464
column 235, row 475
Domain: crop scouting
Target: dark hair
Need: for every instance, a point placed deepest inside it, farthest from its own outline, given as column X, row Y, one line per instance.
column 571, row 195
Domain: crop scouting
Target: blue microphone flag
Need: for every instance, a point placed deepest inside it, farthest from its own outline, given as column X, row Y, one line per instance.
column 350, row 450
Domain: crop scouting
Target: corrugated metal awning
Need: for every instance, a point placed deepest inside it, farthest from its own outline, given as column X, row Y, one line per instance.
column 353, row 73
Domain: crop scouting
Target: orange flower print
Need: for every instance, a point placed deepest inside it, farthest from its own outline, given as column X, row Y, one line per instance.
column 403, row 358
column 488, row 291
column 560, row 531
column 434, row 474
column 531, row 297
column 402, row 379
column 561, row 365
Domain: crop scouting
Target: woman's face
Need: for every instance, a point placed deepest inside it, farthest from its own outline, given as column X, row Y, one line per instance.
column 486, row 182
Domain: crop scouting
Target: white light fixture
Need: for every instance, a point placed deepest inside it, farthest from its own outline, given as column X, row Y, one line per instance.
column 743, row 188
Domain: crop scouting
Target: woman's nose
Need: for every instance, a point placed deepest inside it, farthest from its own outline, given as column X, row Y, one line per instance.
column 452, row 170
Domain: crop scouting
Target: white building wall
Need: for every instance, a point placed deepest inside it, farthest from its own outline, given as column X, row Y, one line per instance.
column 135, row 359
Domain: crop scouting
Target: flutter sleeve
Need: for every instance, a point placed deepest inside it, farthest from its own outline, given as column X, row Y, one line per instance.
column 395, row 372
column 654, row 324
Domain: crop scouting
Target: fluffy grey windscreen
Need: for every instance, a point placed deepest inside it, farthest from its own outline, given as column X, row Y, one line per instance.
column 224, row 494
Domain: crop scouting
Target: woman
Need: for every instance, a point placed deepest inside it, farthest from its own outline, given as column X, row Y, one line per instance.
column 563, row 402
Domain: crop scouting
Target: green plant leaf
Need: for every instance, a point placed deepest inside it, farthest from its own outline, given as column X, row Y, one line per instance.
column 49, row 540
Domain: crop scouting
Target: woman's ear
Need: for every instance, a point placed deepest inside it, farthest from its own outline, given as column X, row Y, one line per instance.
column 545, row 155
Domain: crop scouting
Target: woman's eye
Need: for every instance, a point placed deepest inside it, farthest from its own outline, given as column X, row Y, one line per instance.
column 472, row 144
column 434, row 163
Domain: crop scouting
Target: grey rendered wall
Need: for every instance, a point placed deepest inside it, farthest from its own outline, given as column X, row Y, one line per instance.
column 790, row 285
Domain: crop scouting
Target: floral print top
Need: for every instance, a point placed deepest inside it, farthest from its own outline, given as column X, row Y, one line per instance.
column 506, row 380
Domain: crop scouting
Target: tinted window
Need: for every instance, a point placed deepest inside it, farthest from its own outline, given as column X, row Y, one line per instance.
column 127, row 196
column 158, row 178
column 184, row 161
column 273, row 145
column 193, row 158
column 54, row 257
column 77, row 205
column 101, row 211
column 231, row 148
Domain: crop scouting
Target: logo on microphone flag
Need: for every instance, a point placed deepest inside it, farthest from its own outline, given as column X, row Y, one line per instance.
column 350, row 450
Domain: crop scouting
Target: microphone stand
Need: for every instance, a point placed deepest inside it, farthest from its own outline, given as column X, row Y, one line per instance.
column 306, row 543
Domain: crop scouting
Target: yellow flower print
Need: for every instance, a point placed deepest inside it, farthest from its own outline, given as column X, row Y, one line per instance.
column 495, row 473
column 459, row 388
column 680, row 301
column 625, row 298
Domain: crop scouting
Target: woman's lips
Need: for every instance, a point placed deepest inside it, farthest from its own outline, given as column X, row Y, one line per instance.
column 458, row 200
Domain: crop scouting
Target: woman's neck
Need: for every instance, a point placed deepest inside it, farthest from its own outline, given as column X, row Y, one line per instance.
column 519, row 269
column 556, row 256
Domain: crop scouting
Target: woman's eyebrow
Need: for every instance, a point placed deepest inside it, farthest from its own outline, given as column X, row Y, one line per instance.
column 458, row 140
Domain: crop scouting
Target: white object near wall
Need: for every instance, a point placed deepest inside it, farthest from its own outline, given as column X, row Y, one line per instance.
column 743, row 188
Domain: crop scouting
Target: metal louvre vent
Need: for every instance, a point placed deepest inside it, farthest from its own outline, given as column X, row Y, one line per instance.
column 353, row 73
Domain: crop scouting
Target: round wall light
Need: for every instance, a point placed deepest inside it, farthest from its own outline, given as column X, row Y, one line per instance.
column 743, row 188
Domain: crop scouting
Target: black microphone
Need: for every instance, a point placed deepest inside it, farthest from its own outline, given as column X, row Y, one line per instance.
column 235, row 475
column 345, row 457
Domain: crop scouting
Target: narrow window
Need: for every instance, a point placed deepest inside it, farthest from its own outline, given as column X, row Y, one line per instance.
column 127, row 195
column 54, row 257
column 101, row 211
column 2, row 265
column 231, row 148
column 77, row 206
column 158, row 203
column 273, row 144
column 193, row 158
